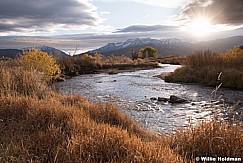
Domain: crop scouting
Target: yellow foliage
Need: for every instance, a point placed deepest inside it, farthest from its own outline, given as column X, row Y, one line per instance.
column 34, row 59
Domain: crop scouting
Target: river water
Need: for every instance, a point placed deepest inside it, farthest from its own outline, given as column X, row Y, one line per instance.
column 132, row 91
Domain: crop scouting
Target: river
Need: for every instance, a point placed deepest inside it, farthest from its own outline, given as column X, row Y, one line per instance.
column 132, row 91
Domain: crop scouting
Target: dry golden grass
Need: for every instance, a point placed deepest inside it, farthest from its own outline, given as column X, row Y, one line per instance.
column 204, row 67
column 15, row 80
column 55, row 130
column 65, row 128
column 209, row 139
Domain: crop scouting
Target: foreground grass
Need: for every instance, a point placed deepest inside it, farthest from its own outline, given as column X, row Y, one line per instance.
column 60, row 130
column 205, row 67
column 38, row 124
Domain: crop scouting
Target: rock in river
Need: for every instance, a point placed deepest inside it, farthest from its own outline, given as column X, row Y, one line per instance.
column 175, row 99
column 153, row 98
column 163, row 99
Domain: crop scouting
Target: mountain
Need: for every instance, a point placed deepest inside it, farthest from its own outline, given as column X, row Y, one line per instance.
column 12, row 53
column 52, row 51
column 9, row 53
column 221, row 44
column 163, row 46
column 168, row 46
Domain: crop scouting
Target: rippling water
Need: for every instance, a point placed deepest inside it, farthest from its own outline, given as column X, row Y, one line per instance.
column 132, row 91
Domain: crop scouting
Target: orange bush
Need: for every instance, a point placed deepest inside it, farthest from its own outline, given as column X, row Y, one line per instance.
column 34, row 59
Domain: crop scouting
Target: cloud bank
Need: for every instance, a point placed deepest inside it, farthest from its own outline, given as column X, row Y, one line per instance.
column 147, row 28
column 227, row 12
column 46, row 15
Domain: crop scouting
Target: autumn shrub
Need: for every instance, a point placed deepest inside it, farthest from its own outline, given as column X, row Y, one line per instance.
column 37, row 60
column 78, row 65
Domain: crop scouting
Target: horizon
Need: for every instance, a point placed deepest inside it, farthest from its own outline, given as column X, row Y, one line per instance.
column 91, row 24
column 77, row 49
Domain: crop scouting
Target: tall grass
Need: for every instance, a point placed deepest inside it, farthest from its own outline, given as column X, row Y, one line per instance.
column 68, row 128
column 211, row 139
column 55, row 130
column 204, row 66
column 16, row 80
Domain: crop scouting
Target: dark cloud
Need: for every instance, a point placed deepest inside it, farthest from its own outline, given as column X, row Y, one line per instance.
column 228, row 12
column 146, row 28
column 20, row 15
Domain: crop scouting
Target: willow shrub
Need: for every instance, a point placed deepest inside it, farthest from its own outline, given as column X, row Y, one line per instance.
column 37, row 60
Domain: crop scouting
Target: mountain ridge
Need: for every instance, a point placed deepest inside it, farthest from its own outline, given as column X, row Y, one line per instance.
column 168, row 46
column 172, row 46
column 12, row 53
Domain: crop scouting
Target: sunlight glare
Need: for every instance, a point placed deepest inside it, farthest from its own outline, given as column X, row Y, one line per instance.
column 201, row 27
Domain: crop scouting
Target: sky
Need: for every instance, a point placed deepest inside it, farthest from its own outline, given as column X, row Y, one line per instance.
column 89, row 24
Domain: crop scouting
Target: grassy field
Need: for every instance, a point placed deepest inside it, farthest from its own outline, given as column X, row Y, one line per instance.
column 39, row 124
column 211, row 68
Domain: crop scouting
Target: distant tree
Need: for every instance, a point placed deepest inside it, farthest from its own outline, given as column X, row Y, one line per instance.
column 148, row 52
column 134, row 54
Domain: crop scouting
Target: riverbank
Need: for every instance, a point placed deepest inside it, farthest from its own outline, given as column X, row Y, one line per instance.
column 86, row 64
column 172, row 59
column 212, row 69
column 39, row 124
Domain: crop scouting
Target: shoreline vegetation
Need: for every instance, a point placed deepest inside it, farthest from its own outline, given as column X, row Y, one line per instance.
column 211, row 68
column 89, row 64
column 39, row 124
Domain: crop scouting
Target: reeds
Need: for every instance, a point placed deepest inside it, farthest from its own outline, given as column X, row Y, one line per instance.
column 204, row 66
column 212, row 138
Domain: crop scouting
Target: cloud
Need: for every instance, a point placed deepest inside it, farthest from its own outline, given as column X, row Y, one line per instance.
column 44, row 15
column 227, row 12
column 146, row 28
column 160, row 3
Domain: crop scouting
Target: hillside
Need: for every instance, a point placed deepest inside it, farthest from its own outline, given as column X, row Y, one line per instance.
column 164, row 46
column 9, row 53
column 12, row 53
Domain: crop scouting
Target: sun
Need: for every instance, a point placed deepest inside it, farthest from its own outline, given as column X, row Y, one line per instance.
column 200, row 27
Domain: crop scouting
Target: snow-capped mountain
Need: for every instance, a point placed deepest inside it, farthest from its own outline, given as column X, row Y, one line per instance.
column 123, row 48
column 168, row 46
